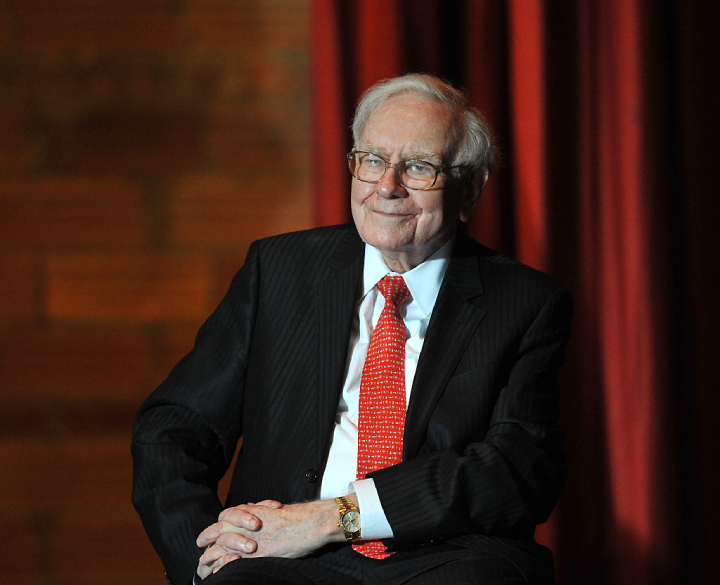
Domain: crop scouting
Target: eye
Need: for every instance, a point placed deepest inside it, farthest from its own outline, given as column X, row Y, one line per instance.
column 372, row 161
column 371, row 167
column 419, row 168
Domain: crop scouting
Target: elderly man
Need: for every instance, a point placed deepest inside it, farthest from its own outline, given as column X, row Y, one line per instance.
column 393, row 381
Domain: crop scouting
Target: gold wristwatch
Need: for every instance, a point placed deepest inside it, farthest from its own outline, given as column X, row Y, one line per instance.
column 349, row 521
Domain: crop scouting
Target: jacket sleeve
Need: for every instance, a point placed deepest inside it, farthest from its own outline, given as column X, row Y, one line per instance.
column 506, row 480
column 186, row 432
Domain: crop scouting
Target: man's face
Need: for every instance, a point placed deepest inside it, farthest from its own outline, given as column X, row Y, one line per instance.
column 407, row 225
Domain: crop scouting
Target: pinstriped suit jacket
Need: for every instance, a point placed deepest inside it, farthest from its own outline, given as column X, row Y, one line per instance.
column 483, row 461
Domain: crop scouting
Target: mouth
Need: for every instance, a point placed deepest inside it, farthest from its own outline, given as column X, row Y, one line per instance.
column 391, row 213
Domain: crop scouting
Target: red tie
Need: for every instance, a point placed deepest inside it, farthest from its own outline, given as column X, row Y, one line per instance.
column 382, row 395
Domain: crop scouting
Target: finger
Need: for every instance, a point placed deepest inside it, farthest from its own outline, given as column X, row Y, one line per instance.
column 205, row 538
column 203, row 571
column 240, row 517
column 211, row 559
column 224, row 561
column 235, row 543
column 212, row 554
column 270, row 504
column 208, row 536
column 238, row 522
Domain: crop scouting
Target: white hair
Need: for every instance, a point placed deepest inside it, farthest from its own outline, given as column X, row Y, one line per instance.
column 474, row 146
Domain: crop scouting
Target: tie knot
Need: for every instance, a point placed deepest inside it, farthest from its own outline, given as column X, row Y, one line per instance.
column 394, row 289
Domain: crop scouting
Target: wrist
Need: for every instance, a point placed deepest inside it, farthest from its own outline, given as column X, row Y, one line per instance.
column 323, row 518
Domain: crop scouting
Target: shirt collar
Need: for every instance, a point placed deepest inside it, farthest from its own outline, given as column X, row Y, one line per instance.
column 423, row 281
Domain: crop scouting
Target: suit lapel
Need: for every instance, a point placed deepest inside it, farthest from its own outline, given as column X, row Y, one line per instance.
column 455, row 318
column 335, row 300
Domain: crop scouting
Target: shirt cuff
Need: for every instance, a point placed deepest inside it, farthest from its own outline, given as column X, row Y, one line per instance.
column 374, row 524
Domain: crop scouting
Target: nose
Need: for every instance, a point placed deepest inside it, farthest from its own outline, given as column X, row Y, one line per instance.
column 389, row 186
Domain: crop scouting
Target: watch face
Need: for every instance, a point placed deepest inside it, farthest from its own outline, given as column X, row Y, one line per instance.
column 351, row 521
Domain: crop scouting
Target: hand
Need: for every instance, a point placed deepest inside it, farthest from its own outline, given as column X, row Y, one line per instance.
column 268, row 529
column 216, row 556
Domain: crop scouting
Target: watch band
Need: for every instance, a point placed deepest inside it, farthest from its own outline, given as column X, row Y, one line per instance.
column 347, row 508
column 345, row 504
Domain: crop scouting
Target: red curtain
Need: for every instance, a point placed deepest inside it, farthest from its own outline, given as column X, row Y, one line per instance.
column 606, row 116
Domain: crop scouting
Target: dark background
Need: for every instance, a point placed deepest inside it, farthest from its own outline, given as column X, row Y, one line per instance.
column 606, row 113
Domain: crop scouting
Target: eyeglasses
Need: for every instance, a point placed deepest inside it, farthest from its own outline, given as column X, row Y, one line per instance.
column 415, row 174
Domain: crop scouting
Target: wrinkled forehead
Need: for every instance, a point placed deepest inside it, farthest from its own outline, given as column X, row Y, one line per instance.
column 410, row 126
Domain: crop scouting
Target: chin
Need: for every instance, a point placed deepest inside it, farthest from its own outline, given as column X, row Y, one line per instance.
column 390, row 242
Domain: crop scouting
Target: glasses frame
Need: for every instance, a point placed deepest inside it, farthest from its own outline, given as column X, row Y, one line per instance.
column 351, row 155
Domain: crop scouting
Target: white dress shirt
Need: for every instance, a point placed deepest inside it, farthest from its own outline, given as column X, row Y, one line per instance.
column 424, row 283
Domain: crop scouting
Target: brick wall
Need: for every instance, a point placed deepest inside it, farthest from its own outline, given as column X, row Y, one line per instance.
column 143, row 145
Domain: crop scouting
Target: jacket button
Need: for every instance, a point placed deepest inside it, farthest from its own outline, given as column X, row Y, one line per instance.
column 311, row 475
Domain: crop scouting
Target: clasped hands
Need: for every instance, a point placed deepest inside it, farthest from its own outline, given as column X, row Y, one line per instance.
column 268, row 529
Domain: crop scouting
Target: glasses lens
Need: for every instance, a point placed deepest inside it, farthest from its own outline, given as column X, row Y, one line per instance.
column 417, row 174
column 413, row 174
column 368, row 167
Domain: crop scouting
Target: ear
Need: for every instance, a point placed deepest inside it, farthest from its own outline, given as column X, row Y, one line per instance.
column 473, row 189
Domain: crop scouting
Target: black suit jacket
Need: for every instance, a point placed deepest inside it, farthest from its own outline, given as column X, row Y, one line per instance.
column 483, row 461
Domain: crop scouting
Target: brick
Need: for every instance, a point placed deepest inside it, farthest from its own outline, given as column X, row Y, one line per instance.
column 114, row 537
column 100, row 25
column 63, row 86
column 31, row 416
column 275, row 82
column 138, row 139
column 16, row 155
column 19, row 562
column 173, row 341
column 69, row 211
column 65, row 364
column 107, row 108
column 226, row 212
column 245, row 24
column 48, row 475
column 71, row 500
column 4, row 36
column 260, row 139
column 127, row 288
column 18, row 287
column 282, row 76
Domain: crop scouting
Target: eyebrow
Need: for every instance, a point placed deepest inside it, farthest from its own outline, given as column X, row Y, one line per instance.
column 416, row 155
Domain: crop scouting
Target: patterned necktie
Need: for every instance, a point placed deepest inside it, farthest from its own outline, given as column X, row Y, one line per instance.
column 381, row 421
